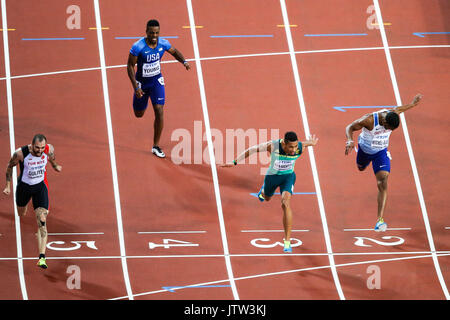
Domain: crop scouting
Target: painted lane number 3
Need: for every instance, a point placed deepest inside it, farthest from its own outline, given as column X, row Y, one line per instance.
column 266, row 243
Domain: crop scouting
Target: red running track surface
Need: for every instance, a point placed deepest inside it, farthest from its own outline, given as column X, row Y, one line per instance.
column 139, row 227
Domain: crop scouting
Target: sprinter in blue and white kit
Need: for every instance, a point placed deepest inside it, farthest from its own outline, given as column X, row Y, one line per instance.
column 148, row 81
column 373, row 142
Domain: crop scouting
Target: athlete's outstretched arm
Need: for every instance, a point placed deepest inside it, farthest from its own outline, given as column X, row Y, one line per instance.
column 52, row 158
column 16, row 157
column 365, row 121
column 414, row 103
column 265, row 146
column 179, row 56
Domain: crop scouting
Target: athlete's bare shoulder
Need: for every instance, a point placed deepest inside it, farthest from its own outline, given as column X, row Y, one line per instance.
column 382, row 114
column 265, row 146
column 366, row 121
column 16, row 157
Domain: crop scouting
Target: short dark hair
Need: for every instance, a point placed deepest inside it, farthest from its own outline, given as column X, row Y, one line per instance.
column 152, row 23
column 39, row 137
column 290, row 136
column 392, row 119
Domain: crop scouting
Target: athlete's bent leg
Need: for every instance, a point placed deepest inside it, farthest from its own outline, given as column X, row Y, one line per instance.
column 382, row 179
column 287, row 214
column 362, row 159
column 140, row 105
column 41, row 219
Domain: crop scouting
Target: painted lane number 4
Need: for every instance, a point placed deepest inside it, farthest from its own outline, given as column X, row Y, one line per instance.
column 168, row 243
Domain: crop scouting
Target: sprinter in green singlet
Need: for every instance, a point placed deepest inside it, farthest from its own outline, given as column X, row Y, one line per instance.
column 283, row 154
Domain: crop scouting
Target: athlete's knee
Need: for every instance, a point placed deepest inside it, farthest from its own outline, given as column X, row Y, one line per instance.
column 361, row 168
column 159, row 110
column 382, row 185
column 285, row 202
column 21, row 211
column 139, row 113
column 41, row 216
column 382, row 182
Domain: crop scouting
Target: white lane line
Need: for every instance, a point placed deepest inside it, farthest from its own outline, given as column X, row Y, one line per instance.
column 232, row 57
column 287, row 272
column 211, row 149
column 163, row 232
column 420, row 47
column 12, row 144
column 409, row 147
column 52, row 73
column 310, row 150
column 112, row 150
column 240, row 255
column 388, row 229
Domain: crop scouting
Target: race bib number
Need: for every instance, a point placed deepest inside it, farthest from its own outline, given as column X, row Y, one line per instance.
column 161, row 80
column 380, row 138
column 36, row 173
column 151, row 69
column 283, row 165
column 380, row 142
column 35, row 169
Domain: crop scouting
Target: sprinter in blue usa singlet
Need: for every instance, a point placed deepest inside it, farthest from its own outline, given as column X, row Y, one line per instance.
column 147, row 79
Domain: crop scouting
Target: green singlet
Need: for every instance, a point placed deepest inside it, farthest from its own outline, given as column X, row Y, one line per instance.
column 280, row 162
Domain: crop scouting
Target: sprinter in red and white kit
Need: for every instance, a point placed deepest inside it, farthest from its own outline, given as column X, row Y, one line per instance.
column 32, row 184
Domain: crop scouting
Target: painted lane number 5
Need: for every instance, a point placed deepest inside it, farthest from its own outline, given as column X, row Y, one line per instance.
column 77, row 245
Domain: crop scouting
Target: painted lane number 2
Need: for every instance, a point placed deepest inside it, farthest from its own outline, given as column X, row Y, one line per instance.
column 361, row 241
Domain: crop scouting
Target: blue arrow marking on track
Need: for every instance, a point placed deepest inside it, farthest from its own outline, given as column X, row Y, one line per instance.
column 36, row 39
column 342, row 108
column 422, row 34
column 336, row 35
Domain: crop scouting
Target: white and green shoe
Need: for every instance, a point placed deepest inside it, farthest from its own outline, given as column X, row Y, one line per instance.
column 287, row 247
column 42, row 264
